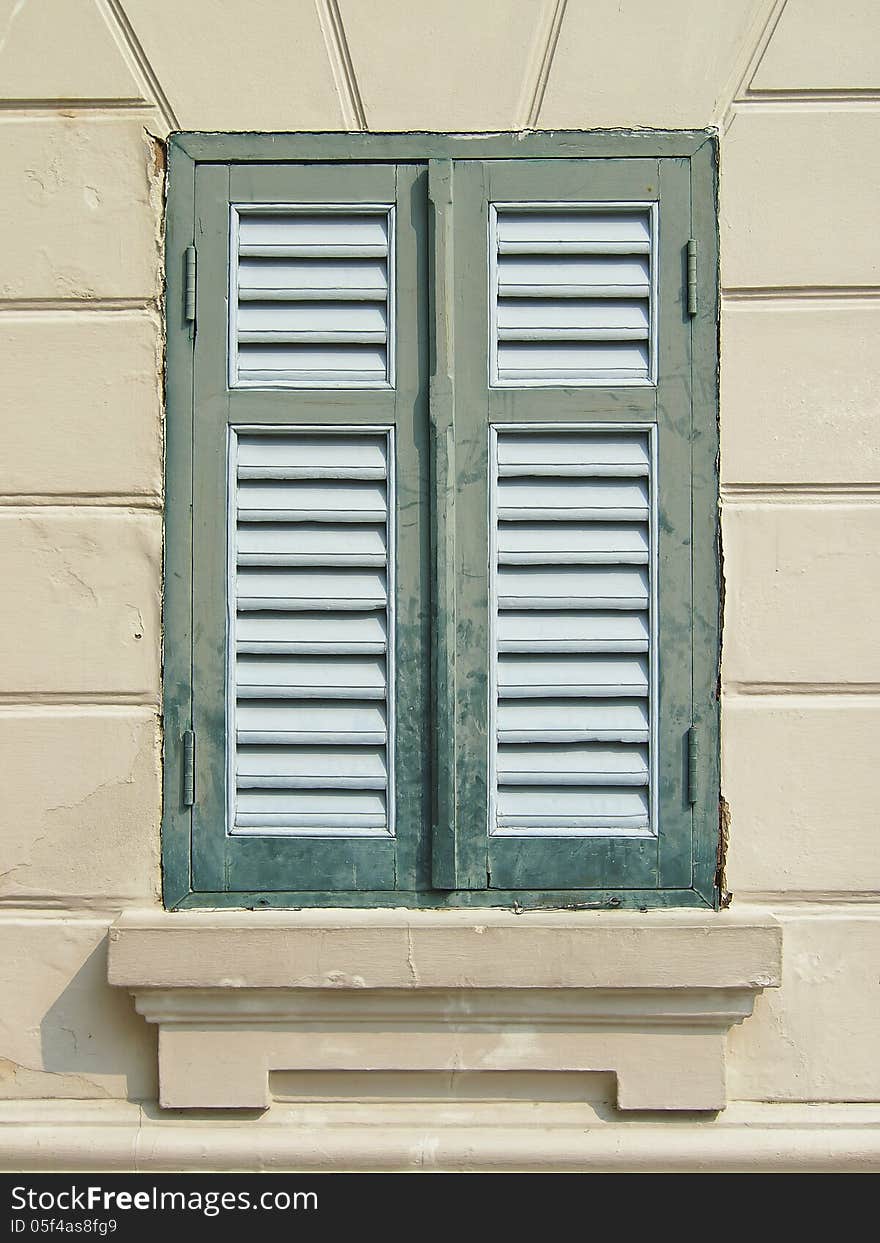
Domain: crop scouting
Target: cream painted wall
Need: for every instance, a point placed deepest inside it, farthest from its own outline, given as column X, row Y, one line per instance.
column 794, row 86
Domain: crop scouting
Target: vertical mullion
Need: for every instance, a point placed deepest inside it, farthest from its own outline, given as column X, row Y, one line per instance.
column 444, row 871
column 412, row 579
column 471, row 654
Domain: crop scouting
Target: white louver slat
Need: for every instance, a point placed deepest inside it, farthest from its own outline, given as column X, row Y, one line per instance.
column 311, row 301
column 573, row 663
column 572, row 295
column 311, row 633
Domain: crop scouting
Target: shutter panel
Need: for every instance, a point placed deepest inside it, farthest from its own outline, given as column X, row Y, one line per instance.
column 311, row 299
column 310, row 660
column 572, row 297
column 573, row 660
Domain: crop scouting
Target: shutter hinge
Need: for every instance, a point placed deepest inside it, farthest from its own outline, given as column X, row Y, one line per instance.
column 693, row 759
column 189, row 288
column 189, row 768
column 692, row 277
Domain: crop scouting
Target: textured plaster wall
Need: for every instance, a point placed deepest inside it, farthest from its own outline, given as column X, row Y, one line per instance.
column 795, row 89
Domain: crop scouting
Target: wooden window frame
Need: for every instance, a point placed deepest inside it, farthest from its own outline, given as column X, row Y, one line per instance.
column 447, row 812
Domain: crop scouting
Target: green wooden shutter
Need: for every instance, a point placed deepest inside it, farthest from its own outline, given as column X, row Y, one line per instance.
column 305, row 602
column 441, row 596
column 570, row 316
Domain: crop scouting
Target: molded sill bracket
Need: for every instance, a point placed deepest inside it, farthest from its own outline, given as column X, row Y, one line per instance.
column 649, row 996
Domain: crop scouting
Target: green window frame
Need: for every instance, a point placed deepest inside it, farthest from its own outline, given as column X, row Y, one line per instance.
column 441, row 408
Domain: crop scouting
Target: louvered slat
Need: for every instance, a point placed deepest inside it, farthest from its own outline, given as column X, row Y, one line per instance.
column 313, row 302
column 572, row 294
column 311, row 657
column 573, row 670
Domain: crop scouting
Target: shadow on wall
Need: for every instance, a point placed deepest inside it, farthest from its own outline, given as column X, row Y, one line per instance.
column 92, row 1032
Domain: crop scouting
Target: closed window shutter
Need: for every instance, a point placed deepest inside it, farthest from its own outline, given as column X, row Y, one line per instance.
column 572, row 295
column 440, row 577
column 304, row 466
column 310, row 644
column 572, row 624
column 312, row 298
column 573, row 375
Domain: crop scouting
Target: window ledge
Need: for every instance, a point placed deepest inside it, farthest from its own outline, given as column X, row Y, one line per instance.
column 649, row 996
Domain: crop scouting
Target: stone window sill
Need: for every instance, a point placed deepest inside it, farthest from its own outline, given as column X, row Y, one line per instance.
column 649, row 996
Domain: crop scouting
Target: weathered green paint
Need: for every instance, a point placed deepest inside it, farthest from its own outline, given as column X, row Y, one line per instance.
column 413, row 760
column 333, row 406
column 582, row 863
column 444, row 736
column 232, row 863
column 471, row 312
column 675, row 827
column 416, row 146
column 269, row 863
column 573, row 405
column 611, row 179
column 705, row 524
column 474, row 899
column 442, row 516
column 177, row 602
column 209, row 567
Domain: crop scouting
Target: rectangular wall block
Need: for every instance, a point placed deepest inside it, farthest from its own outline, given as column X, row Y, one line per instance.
column 800, row 392
column 800, row 777
column 64, row 1032
column 803, row 593
column 83, row 404
column 79, row 817
column 815, row 1039
column 81, row 199
column 798, row 199
column 80, row 613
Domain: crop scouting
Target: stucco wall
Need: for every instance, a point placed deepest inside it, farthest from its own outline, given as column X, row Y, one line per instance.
column 794, row 86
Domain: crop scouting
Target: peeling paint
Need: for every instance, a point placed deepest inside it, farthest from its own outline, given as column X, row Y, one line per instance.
column 723, row 844
column 410, row 958
column 156, row 169
column 344, row 979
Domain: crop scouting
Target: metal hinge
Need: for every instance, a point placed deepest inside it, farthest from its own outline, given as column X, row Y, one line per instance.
column 693, row 759
column 189, row 768
column 189, row 288
column 692, row 277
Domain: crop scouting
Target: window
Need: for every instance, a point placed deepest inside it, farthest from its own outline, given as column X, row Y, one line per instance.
column 441, row 615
